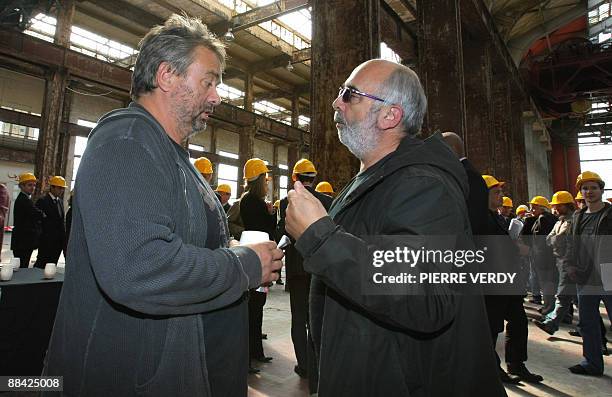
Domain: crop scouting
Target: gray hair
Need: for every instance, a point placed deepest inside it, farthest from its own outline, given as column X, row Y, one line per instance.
column 174, row 42
column 404, row 88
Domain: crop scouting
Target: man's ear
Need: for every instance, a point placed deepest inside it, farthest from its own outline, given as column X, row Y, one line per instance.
column 165, row 77
column 390, row 117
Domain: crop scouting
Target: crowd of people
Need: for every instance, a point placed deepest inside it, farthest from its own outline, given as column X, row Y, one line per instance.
column 160, row 298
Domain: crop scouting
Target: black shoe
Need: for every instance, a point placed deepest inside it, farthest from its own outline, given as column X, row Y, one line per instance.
column 522, row 372
column 575, row 333
column 253, row 370
column 544, row 327
column 567, row 320
column 264, row 336
column 505, row 378
column 279, row 282
column 263, row 359
column 580, row 370
column 300, row 371
column 604, row 349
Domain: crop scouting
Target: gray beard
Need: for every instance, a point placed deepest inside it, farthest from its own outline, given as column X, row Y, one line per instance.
column 360, row 139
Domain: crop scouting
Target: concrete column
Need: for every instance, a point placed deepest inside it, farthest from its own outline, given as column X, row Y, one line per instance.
column 345, row 34
column 441, row 65
column 248, row 92
column 52, row 149
column 245, row 152
column 477, row 137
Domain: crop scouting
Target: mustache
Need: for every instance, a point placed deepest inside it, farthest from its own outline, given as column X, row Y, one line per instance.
column 338, row 118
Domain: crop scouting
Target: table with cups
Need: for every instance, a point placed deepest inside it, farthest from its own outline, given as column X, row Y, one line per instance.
column 28, row 302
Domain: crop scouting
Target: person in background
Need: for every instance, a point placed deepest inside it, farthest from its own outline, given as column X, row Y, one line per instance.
column 562, row 207
column 542, row 254
column 505, row 211
column 589, row 249
column 26, row 218
column 68, row 220
column 325, row 188
column 298, row 280
column 204, row 166
column 4, row 207
column 580, row 204
column 224, row 192
column 257, row 214
column 53, row 235
column 478, row 198
column 521, row 212
column 505, row 254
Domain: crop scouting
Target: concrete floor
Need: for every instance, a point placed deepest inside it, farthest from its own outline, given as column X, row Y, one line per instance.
column 549, row 356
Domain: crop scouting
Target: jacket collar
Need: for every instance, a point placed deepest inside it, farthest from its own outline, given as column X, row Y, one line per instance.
column 411, row 151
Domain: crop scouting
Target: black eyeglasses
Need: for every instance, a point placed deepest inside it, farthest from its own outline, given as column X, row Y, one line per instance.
column 346, row 92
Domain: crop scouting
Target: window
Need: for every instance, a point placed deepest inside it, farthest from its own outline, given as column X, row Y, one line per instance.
column 79, row 148
column 19, row 131
column 85, row 42
column 283, row 180
column 228, row 154
column 228, row 174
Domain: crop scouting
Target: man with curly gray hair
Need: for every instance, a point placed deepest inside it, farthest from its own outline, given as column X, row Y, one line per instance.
column 154, row 299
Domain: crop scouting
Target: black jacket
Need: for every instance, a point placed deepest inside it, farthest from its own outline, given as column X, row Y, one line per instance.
column 428, row 341
column 53, row 236
column 293, row 260
column 27, row 219
column 255, row 215
column 478, row 199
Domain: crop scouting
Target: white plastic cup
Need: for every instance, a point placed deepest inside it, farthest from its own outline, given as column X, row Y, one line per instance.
column 253, row 236
column 50, row 270
column 6, row 274
column 16, row 263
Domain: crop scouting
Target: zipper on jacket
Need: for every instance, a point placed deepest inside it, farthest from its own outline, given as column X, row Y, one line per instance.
column 186, row 200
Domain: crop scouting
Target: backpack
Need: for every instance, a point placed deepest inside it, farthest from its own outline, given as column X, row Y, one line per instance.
column 234, row 220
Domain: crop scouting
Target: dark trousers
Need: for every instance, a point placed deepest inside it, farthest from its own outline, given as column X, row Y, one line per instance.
column 24, row 257
column 508, row 308
column 257, row 300
column 298, row 298
column 48, row 255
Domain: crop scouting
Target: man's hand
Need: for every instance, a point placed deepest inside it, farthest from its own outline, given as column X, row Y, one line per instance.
column 523, row 249
column 303, row 210
column 234, row 243
column 270, row 259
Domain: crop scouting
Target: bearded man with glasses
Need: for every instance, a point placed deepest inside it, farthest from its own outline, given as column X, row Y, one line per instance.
column 407, row 339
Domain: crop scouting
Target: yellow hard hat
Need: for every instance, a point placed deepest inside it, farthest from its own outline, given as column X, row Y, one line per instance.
column 253, row 168
column 507, row 202
column 491, row 181
column 579, row 196
column 58, row 181
column 521, row 209
column 562, row 197
column 203, row 165
column 276, row 204
column 324, row 187
column 588, row 176
column 540, row 200
column 304, row 166
column 26, row 177
column 224, row 188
